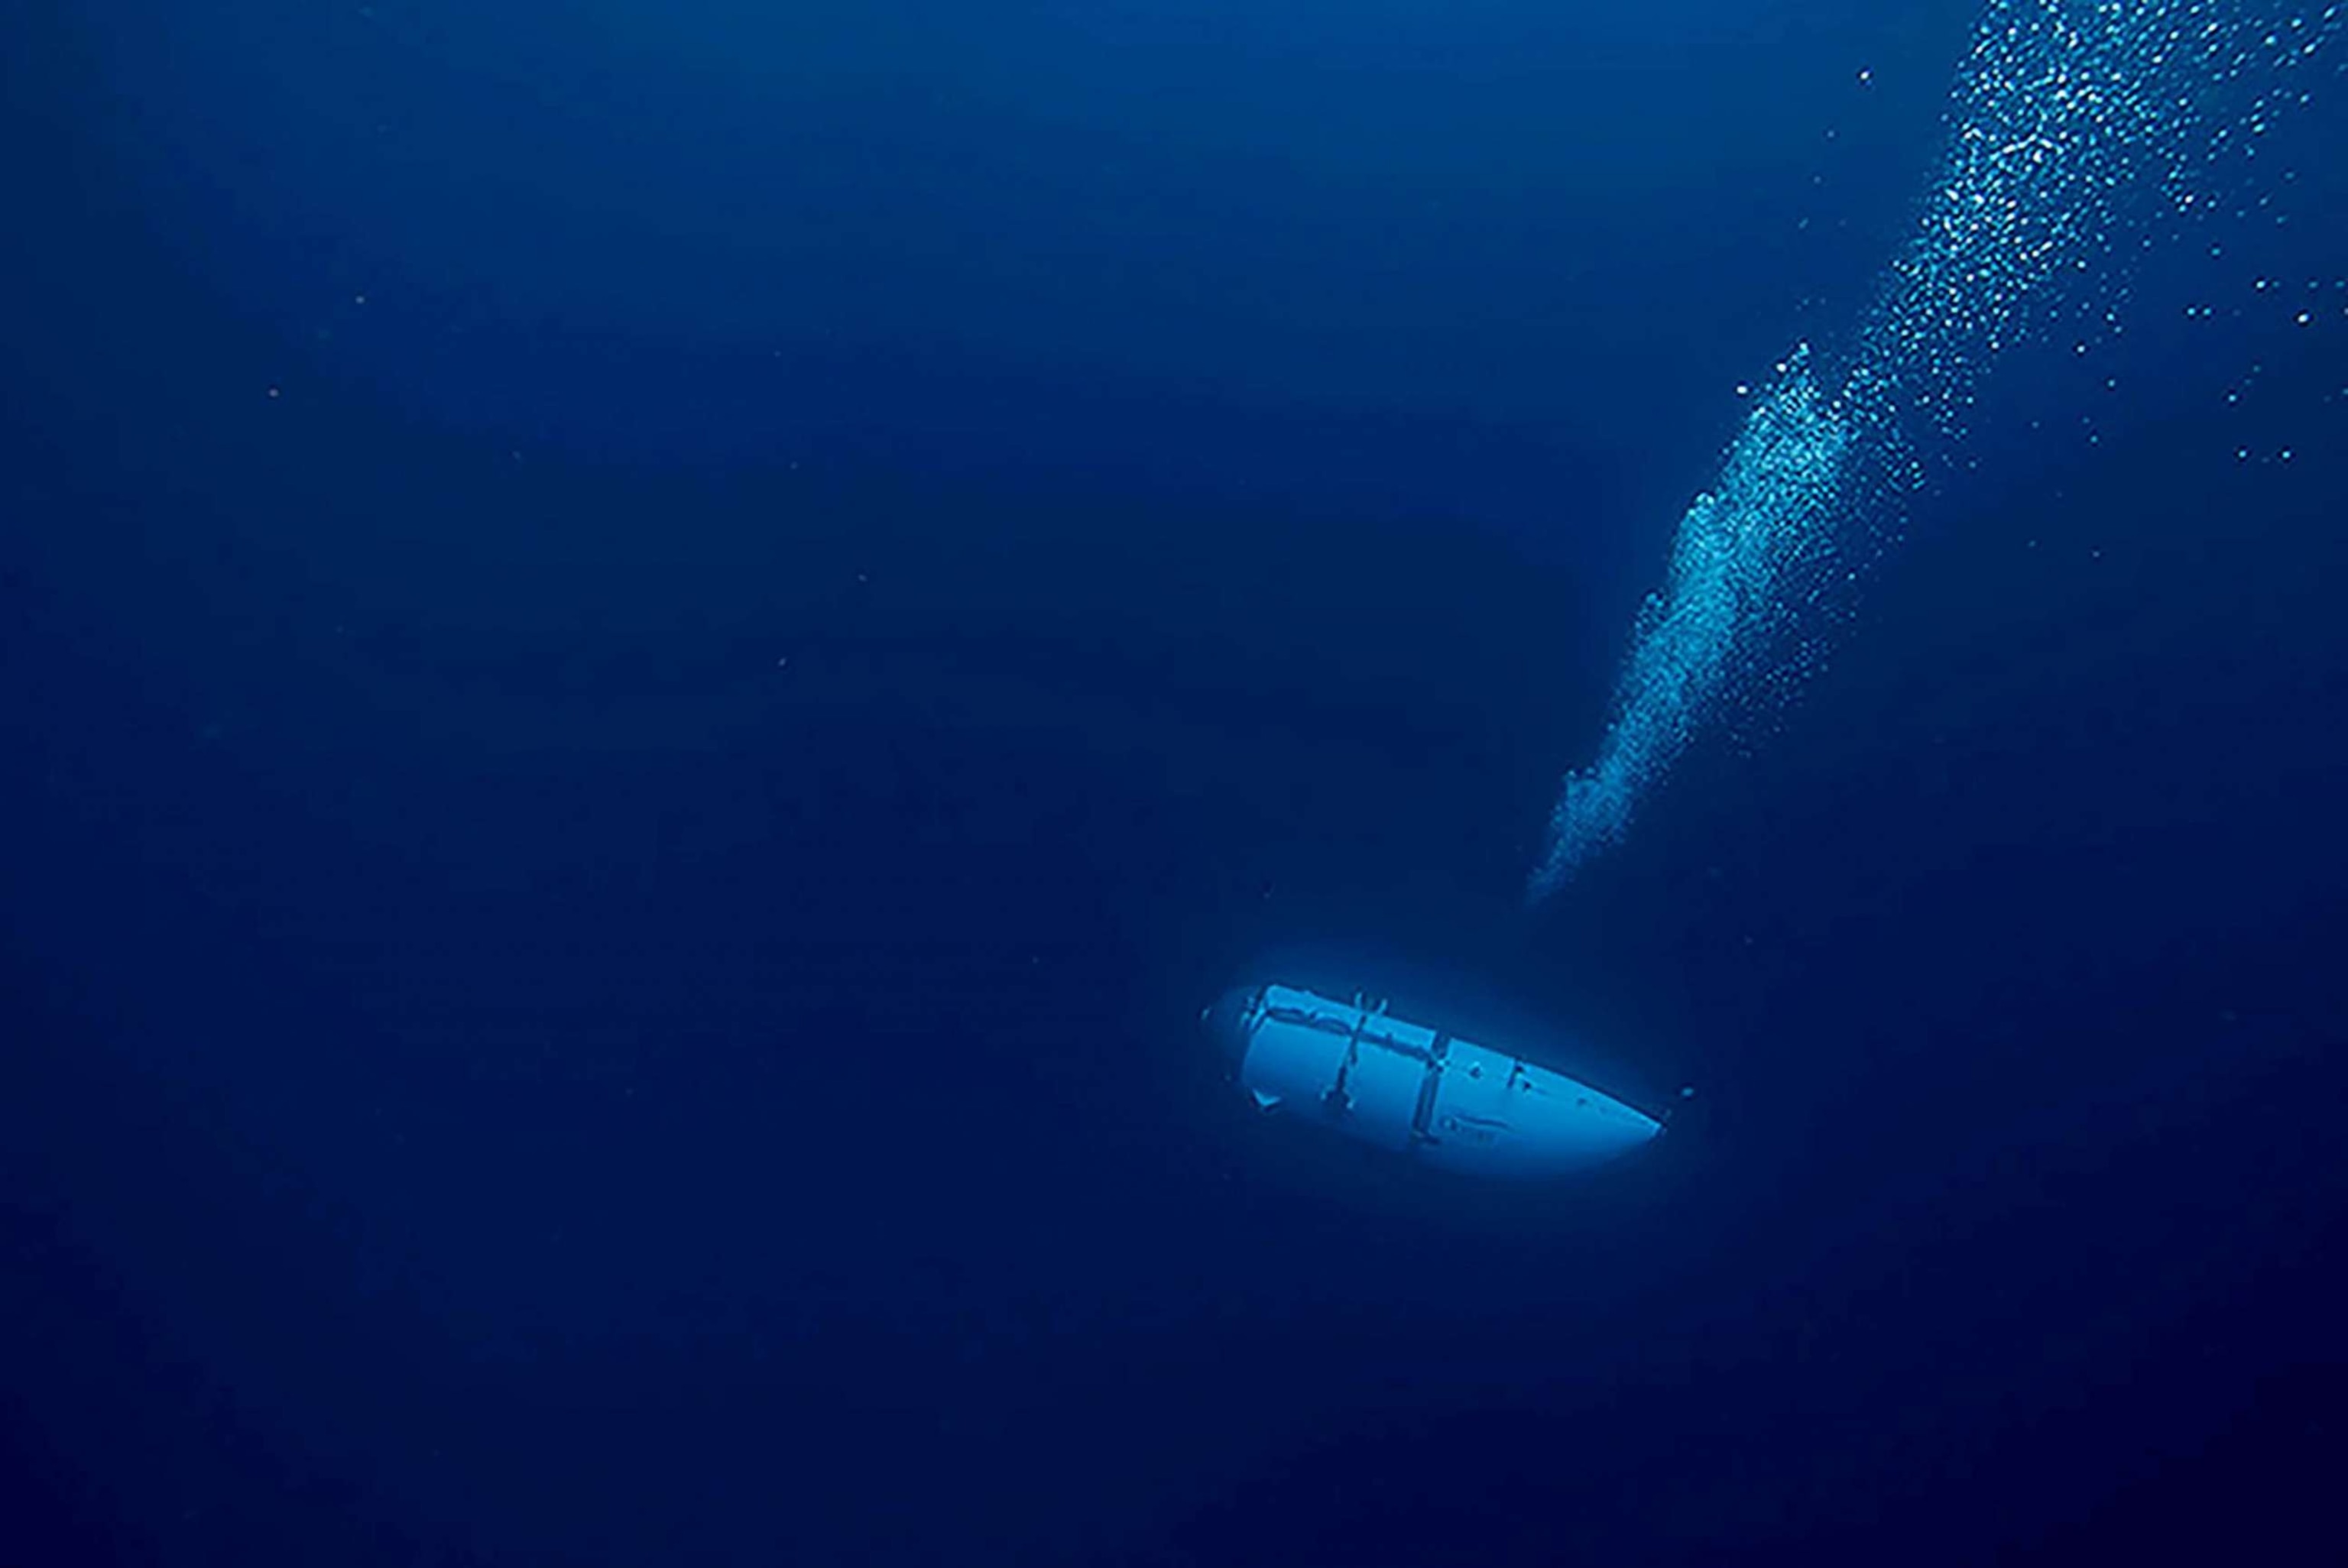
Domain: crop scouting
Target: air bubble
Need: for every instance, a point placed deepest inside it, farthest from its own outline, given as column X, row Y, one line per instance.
column 2059, row 108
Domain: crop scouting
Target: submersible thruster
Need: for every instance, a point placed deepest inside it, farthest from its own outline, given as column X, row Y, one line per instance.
column 1417, row 1089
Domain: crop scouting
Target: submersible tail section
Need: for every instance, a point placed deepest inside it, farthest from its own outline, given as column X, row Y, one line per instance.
column 1416, row 1089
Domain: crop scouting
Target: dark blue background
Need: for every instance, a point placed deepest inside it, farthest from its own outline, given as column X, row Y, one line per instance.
column 652, row 655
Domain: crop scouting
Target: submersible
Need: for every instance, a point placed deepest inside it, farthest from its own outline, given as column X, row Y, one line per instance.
column 1418, row 1090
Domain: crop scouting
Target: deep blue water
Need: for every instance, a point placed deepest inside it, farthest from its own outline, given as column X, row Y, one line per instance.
column 651, row 656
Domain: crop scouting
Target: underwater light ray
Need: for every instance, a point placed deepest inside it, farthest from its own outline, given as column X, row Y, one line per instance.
column 2063, row 112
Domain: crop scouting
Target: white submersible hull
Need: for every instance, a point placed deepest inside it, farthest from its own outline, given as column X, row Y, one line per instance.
column 1417, row 1089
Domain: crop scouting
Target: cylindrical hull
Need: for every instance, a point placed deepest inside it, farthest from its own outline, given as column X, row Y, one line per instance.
column 1418, row 1090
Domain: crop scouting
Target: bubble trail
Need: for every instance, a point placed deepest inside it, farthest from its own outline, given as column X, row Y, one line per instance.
column 2066, row 118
